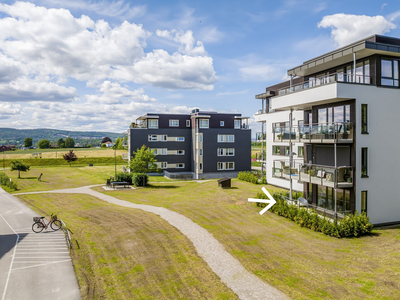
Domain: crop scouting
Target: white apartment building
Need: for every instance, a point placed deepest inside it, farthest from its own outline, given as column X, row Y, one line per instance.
column 338, row 117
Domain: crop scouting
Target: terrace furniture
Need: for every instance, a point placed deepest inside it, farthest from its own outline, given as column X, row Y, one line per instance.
column 119, row 183
column 224, row 182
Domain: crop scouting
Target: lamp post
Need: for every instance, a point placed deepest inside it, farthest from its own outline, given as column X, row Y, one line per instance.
column 3, row 159
column 115, row 161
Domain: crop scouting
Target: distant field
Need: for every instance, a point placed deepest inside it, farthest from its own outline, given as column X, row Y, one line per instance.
column 51, row 153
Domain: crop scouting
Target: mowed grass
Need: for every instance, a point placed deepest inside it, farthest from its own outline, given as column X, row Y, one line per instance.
column 60, row 177
column 129, row 254
column 300, row 262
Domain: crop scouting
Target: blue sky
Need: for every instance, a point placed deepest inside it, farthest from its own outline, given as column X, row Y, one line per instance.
column 98, row 65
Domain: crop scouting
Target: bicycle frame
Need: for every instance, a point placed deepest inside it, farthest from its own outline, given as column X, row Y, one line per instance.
column 44, row 223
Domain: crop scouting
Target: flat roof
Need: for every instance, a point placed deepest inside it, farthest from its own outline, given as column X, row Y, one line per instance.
column 375, row 44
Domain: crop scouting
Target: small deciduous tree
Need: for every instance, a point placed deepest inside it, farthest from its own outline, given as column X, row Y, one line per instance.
column 70, row 157
column 119, row 144
column 28, row 142
column 17, row 165
column 144, row 161
column 69, row 142
column 44, row 144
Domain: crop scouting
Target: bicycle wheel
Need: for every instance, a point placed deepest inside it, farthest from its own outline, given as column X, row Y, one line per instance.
column 55, row 225
column 37, row 227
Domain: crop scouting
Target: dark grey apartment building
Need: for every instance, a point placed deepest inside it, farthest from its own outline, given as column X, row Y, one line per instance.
column 197, row 145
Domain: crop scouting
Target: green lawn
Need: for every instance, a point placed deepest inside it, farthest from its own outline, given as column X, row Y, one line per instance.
column 302, row 263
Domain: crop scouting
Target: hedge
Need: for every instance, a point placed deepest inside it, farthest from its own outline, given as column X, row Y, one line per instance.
column 137, row 179
column 5, row 182
column 248, row 176
column 127, row 177
column 351, row 226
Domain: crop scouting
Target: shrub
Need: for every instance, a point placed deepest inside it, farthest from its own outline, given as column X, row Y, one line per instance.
column 351, row 226
column 121, row 176
column 5, row 181
column 137, row 179
column 248, row 176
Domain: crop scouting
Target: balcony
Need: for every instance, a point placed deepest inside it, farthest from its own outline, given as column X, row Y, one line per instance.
column 281, row 169
column 261, row 157
column 338, row 132
column 326, row 79
column 340, row 177
column 260, row 136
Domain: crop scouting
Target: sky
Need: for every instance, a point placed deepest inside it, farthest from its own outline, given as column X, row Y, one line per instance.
column 97, row 65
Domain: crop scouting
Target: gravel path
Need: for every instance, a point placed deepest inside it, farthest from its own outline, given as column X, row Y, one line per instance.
column 228, row 268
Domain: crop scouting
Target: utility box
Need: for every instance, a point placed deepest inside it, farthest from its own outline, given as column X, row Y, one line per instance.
column 224, row 182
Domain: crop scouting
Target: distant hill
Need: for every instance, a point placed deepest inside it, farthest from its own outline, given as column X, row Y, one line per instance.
column 17, row 136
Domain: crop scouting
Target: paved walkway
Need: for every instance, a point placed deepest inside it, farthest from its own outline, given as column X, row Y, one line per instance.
column 228, row 268
column 32, row 265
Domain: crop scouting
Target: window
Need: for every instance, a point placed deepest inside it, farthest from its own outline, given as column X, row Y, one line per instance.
column 161, row 164
column 364, row 118
column 200, row 152
column 180, row 139
column 179, row 166
column 225, row 151
column 200, row 167
column 187, row 123
column 173, row 123
column 390, row 72
column 221, row 123
column 300, row 151
column 225, row 138
column 153, row 137
column 364, row 162
column 225, row 166
column 204, row 123
column 159, row 151
column 276, row 150
column 152, row 123
column 364, row 196
column 237, row 124
column 200, row 138
column 180, row 152
column 287, row 150
column 163, row 138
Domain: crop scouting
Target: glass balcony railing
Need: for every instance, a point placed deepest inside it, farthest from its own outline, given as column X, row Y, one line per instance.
column 322, row 80
column 339, row 132
column 340, row 177
column 260, row 136
column 261, row 157
column 281, row 169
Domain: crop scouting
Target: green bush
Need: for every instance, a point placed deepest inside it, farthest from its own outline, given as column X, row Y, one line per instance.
column 351, row 226
column 248, row 176
column 137, row 179
column 5, row 181
column 121, row 176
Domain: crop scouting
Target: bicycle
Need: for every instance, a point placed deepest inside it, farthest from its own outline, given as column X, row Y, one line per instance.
column 40, row 224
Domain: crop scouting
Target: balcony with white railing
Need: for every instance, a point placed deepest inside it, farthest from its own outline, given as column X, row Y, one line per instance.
column 337, row 132
column 339, row 177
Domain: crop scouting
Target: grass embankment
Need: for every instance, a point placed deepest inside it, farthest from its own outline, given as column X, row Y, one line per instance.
column 130, row 254
column 300, row 262
column 53, row 153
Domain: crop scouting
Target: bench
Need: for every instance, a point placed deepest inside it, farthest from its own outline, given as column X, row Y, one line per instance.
column 116, row 183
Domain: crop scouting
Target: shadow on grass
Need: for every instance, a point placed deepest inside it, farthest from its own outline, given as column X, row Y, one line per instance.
column 34, row 177
column 230, row 188
column 163, row 186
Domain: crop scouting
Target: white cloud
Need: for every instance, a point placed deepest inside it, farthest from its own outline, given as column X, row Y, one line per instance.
column 185, row 39
column 210, row 34
column 393, row 16
column 232, row 93
column 260, row 72
column 9, row 110
column 350, row 28
column 53, row 43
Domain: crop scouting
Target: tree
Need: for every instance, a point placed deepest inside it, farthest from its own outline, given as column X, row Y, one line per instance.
column 16, row 165
column 44, row 144
column 70, row 157
column 119, row 144
column 61, row 143
column 103, row 145
column 144, row 161
column 28, row 142
column 69, row 142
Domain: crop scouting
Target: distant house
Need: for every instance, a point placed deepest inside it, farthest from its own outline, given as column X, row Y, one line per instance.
column 12, row 147
column 5, row 148
column 109, row 144
column 53, row 145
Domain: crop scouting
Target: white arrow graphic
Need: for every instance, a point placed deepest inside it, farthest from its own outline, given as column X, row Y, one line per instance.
column 270, row 202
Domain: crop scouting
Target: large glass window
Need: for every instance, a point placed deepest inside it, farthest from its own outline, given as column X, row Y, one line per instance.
column 300, row 151
column 173, row 123
column 152, row 123
column 204, row 123
column 276, row 150
column 364, row 118
column 364, row 162
column 237, row 124
column 364, row 196
column 389, row 72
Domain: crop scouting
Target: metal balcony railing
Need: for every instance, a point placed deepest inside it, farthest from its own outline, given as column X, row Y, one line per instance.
column 337, row 132
column 281, row 169
column 325, row 79
column 339, row 177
